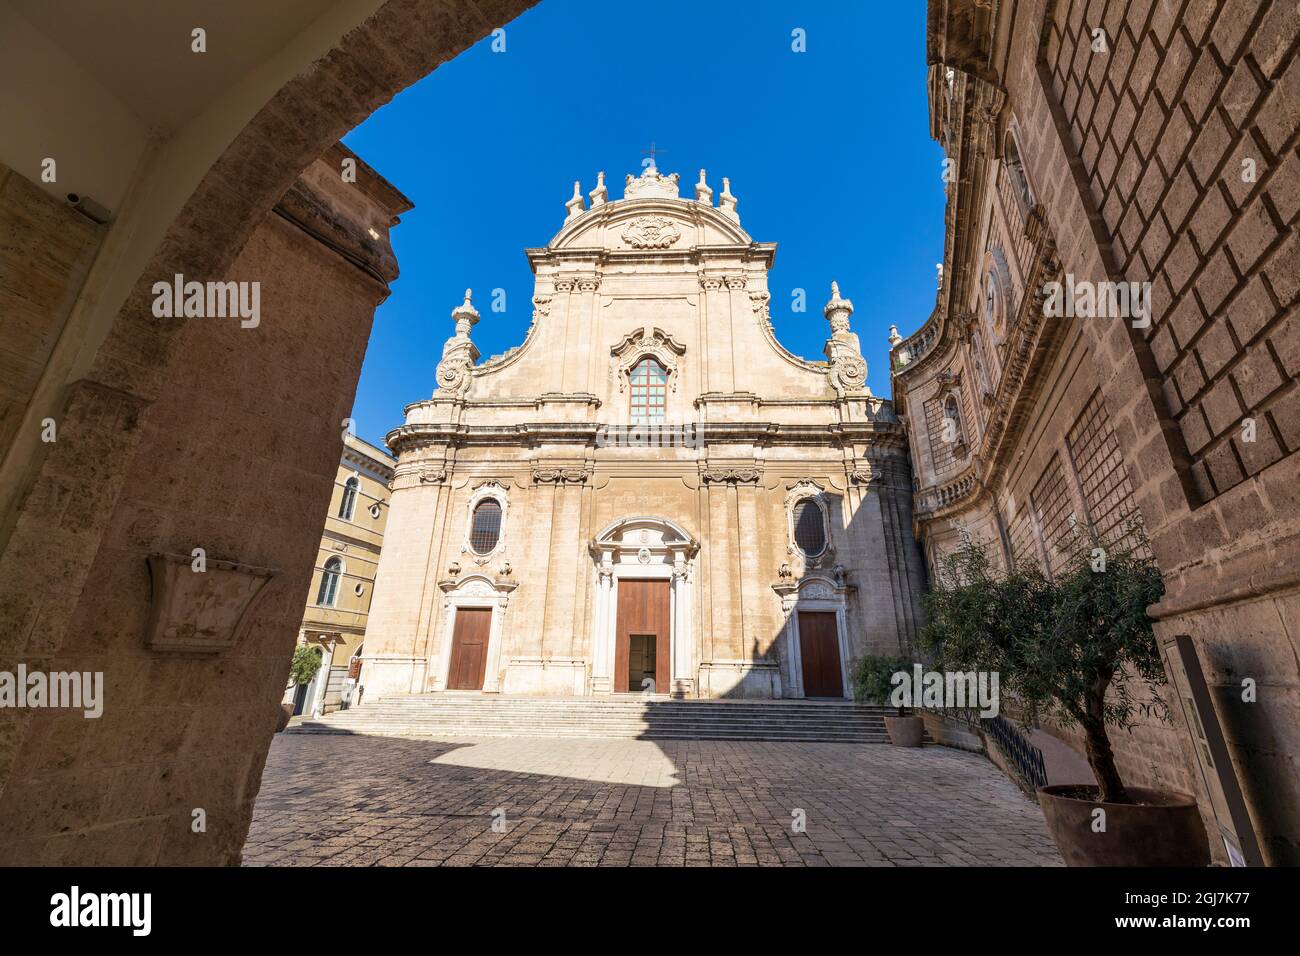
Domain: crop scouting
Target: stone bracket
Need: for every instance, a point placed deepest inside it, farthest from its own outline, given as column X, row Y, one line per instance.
column 201, row 612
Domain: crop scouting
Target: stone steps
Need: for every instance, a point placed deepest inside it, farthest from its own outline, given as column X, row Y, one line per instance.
column 645, row 718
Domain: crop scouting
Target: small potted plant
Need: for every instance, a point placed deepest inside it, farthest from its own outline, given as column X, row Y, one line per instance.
column 873, row 679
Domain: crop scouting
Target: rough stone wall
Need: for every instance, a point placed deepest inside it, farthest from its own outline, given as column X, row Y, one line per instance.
column 45, row 252
column 236, row 457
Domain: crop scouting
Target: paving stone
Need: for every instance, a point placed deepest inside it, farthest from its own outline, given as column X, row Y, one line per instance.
column 622, row 802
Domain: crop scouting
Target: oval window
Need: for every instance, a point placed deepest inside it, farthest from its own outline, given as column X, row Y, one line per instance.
column 485, row 529
column 809, row 528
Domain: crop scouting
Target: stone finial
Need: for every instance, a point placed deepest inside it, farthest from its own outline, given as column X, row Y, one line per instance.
column 894, row 337
column 847, row 366
column 727, row 202
column 465, row 314
column 575, row 206
column 459, row 353
column 838, row 310
column 938, row 268
column 600, row 194
column 702, row 191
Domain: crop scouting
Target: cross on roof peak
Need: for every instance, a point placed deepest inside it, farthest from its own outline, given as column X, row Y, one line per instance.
column 652, row 152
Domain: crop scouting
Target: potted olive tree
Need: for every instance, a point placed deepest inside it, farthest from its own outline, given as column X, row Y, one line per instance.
column 1080, row 650
column 873, row 679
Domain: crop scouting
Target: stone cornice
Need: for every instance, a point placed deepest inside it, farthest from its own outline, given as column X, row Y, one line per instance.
column 761, row 434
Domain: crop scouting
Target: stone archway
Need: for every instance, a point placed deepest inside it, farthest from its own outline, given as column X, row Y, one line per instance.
column 146, row 463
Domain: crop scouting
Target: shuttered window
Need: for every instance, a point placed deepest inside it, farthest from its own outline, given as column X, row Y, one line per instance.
column 486, row 528
column 809, row 528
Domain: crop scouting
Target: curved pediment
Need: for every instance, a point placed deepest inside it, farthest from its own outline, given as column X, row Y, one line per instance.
column 649, row 225
column 638, row 531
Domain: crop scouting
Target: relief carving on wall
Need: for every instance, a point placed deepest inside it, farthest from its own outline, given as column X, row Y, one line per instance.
column 201, row 611
column 559, row 476
column 730, row 475
column 848, row 369
column 651, row 232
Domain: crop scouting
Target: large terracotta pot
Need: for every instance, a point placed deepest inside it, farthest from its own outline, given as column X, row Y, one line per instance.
column 1161, row 829
column 905, row 731
column 286, row 712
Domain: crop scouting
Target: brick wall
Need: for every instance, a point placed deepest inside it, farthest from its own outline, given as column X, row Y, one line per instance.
column 1187, row 132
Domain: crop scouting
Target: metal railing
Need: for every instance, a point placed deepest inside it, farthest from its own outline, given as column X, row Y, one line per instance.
column 1027, row 758
column 1015, row 746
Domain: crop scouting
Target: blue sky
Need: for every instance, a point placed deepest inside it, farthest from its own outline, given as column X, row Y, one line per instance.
column 828, row 152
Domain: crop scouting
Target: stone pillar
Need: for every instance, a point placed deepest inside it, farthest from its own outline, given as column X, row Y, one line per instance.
column 397, row 632
column 715, row 316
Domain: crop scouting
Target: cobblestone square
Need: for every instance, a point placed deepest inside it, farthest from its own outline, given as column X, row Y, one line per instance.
column 352, row 800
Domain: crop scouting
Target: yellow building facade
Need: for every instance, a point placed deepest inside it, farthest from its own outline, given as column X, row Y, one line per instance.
column 338, row 603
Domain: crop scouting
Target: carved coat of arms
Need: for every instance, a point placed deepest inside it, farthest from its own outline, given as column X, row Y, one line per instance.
column 651, row 232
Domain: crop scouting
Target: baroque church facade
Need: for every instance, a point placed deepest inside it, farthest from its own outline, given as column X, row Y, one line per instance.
column 649, row 494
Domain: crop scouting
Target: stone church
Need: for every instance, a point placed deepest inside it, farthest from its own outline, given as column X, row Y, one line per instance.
column 649, row 493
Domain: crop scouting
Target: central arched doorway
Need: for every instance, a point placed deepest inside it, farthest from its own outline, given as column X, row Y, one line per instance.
column 643, row 636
